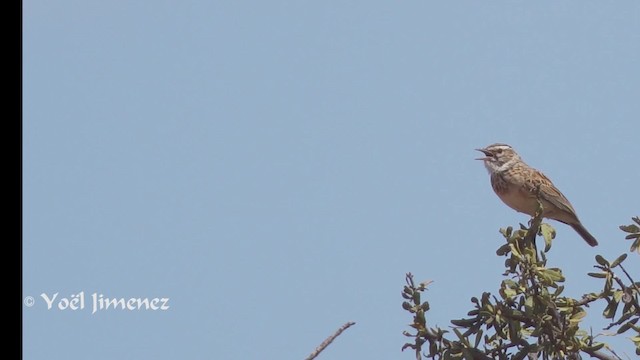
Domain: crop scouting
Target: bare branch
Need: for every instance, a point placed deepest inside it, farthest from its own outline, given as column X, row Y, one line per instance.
column 602, row 356
column 329, row 340
column 633, row 283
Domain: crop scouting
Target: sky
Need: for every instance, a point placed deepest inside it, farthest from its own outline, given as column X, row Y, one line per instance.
column 273, row 169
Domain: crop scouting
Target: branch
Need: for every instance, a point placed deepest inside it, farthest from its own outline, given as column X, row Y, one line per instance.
column 587, row 300
column 623, row 287
column 329, row 340
column 602, row 356
column 536, row 220
column 633, row 283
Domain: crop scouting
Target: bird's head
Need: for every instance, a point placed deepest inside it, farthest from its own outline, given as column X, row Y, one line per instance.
column 498, row 157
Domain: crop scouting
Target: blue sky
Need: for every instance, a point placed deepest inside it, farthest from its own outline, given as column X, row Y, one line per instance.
column 275, row 168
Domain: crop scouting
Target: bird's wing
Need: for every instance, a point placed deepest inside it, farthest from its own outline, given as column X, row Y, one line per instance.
column 550, row 193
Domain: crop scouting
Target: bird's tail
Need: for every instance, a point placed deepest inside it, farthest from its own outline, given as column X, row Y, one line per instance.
column 585, row 234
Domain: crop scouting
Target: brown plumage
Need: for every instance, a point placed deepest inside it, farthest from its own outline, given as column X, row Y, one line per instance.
column 515, row 183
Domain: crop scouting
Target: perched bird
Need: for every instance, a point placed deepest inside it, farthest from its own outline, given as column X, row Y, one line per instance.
column 516, row 184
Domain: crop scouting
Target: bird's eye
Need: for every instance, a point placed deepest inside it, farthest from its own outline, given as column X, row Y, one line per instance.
column 499, row 151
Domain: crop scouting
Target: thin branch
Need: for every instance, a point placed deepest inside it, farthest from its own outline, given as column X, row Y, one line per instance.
column 587, row 300
column 534, row 223
column 329, row 340
column 633, row 283
column 602, row 356
column 534, row 226
column 623, row 287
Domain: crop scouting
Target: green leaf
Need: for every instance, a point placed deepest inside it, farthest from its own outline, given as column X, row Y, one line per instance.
column 503, row 250
column 459, row 334
column 610, row 311
column 407, row 345
column 635, row 246
column 617, row 295
column 528, row 303
column 467, row 354
column 507, row 293
column 548, row 234
column 608, row 284
column 628, row 310
column 630, row 228
column 515, row 251
column 598, row 275
column 425, row 306
column 577, row 317
column 506, row 232
column 553, row 274
column 514, row 331
column 617, row 261
column 626, row 326
column 602, row 261
column 595, row 347
column 407, row 306
column 478, row 337
column 463, row 322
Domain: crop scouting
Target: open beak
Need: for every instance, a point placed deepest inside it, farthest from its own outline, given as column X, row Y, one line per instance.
column 487, row 154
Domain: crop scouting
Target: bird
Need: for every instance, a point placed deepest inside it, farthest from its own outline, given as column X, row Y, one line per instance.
column 516, row 184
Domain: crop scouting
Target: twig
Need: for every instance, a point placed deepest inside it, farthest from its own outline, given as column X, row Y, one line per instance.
column 602, row 356
column 587, row 300
column 536, row 220
column 623, row 287
column 633, row 283
column 534, row 225
column 328, row 340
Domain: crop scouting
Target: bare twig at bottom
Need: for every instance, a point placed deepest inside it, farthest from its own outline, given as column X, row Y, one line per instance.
column 328, row 340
